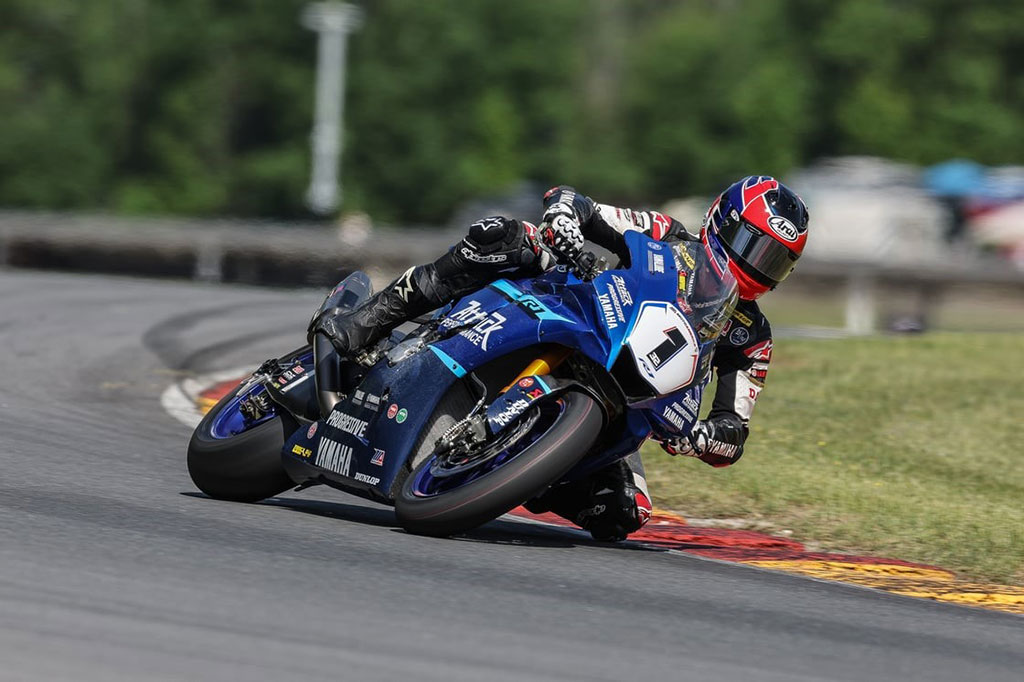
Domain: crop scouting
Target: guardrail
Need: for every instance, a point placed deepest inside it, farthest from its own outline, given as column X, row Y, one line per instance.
column 249, row 252
column 317, row 255
column 865, row 284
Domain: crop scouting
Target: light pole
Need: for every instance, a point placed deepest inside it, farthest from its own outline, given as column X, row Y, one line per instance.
column 333, row 21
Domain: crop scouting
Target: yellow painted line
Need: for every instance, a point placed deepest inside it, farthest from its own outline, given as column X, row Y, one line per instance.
column 205, row 404
column 910, row 581
column 661, row 516
column 826, row 569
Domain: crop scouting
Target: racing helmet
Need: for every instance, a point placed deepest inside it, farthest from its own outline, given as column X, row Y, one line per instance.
column 758, row 229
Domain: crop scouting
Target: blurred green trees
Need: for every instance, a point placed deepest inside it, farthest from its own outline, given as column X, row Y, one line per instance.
column 204, row 107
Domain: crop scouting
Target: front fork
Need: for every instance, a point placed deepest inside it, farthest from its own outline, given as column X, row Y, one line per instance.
column 542, row 365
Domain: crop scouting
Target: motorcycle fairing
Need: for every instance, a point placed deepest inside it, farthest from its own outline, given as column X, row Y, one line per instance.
column 595, row 318
column 407, row 396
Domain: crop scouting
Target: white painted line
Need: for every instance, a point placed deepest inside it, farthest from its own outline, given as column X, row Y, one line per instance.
column 179, row 405
column 179, row 400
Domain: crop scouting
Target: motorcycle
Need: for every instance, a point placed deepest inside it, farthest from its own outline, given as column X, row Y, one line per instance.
column 517, row 388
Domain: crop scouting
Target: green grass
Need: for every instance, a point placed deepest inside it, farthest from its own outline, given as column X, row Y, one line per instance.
column 908, row 447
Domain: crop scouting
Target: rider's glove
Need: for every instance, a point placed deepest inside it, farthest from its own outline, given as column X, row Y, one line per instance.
column 565, row 212
column 690, row 445
column 543, row 257
column 561, row 231
column 718, row 442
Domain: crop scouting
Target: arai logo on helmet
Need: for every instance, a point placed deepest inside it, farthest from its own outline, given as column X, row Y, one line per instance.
column 783, row 228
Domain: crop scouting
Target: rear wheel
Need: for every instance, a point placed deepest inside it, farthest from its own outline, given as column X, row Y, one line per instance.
column 443, row 496
column 240, row 466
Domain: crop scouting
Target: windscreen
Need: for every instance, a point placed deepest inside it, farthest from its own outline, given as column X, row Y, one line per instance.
column 707, row 294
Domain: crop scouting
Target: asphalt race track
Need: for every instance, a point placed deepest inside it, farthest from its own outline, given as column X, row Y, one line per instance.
column 112, row 566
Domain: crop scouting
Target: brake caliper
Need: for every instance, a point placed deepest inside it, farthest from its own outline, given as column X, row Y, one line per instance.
column 255, row 406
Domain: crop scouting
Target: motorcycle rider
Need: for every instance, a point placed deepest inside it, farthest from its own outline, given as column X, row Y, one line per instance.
column 757, row 228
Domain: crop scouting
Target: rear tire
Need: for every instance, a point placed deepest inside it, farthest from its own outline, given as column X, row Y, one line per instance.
column 542, row 463
column 243, row 468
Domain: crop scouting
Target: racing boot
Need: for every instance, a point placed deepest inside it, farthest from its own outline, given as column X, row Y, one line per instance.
column 493, row 247
column 418, row 290
column 611, row 504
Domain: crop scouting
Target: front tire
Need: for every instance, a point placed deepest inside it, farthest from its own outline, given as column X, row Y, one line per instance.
column 245, row 467
column 514, row 481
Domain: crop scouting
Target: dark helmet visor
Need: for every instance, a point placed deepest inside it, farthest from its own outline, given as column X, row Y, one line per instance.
column 767, row 256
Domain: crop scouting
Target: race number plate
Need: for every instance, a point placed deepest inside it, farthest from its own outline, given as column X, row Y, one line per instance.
column 664, row 347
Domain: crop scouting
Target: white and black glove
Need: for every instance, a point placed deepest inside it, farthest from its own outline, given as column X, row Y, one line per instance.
column 690, row 445
column 560, row 230
column 565, row 213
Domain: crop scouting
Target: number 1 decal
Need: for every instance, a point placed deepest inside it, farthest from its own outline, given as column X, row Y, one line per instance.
column 665, row 352
column 664, row 347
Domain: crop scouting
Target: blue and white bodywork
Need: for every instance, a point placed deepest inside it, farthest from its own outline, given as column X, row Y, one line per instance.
column 649, row 329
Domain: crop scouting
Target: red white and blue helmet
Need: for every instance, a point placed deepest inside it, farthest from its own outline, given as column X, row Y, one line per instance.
column 758, row 229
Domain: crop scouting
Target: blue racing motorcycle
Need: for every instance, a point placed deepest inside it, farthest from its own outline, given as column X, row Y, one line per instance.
column 491, row 401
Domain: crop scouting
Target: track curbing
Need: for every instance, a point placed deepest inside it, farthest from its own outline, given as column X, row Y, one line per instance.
column 188, row 400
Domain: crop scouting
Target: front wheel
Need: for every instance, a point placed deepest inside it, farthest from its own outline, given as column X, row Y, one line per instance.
column 229, row 460
column 442, row 498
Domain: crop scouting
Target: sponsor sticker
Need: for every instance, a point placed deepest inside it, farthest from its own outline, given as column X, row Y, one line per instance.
column 378, row 457
column 469, row 315
column 366, row 478
column 687, row 258
column 366, row 400
column 655, row 262
column 311, row 431
column 620, row 286
column 741, row 318
column 476, row 257
column 607, row 310
column 511, row 412
column 304, row 453
column 526, row 383
column 483, row 329
column 392, row 411
column 401, row 416
column 739, row 336
column 674, row 418
column 334, row 456
column 782, row 227
column 348, row 424
column 613, row 295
